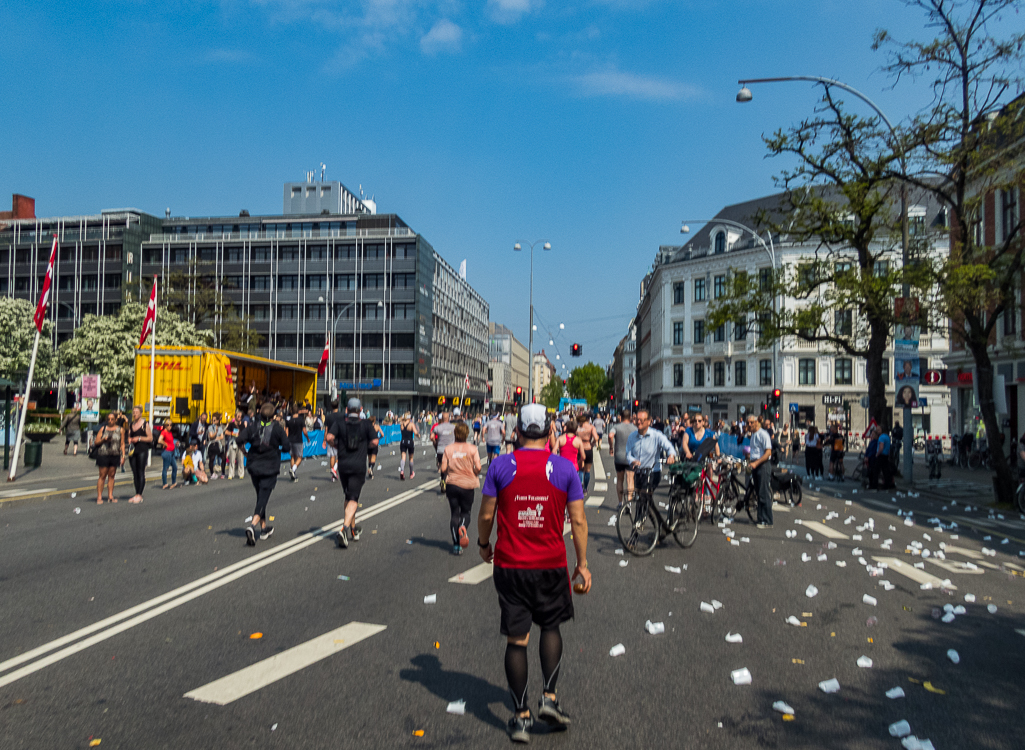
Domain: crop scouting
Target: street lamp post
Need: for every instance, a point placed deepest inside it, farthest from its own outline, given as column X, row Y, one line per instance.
column 745, row 95
column 530, row 335
column 770, row 249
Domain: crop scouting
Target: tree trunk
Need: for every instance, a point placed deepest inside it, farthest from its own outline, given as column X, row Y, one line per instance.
column 1005, row 485
column 879, row 331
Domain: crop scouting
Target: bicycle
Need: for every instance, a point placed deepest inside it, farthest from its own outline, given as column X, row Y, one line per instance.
column 709, row 493
column 1019, row 496
column 639, row 524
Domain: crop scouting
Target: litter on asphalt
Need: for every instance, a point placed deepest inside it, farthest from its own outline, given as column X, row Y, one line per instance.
column 457, row 707
column 618, row 650
column 655, row 628
column 431, row 599
column 741, row 676
column 829, row 686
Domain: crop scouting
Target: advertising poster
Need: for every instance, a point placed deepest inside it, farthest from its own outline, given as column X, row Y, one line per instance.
column 907, row 374
column 90, row 409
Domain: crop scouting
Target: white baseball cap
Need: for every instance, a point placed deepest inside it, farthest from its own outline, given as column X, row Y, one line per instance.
column 534, row 421
column 456, row 411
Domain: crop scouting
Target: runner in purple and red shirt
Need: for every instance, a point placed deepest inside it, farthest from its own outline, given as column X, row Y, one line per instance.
column 529, row 492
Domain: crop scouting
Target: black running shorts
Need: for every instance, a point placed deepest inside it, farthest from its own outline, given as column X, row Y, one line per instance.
column 406, row 447
column 108, row 462
column 589, row 456
column 352, row 484
column 539, row 596
column 622, row 466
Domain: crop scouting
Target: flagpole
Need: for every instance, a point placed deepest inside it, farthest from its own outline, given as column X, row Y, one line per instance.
column 152, row 369
column 24, row 408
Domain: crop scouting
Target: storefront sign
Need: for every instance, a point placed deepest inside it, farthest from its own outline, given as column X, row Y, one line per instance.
column 831, row 399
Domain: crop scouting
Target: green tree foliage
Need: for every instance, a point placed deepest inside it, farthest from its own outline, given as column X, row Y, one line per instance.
column 551, row 394
column 19, row 329
column 105, row 345
column 963, row 145
column 590, row 383
column 842, row 201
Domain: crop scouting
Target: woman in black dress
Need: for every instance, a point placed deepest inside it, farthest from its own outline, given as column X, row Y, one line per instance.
column 140, row 441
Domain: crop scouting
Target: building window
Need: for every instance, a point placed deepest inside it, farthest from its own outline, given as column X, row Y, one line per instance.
column 678, row 333
column 718, row 374
column 288, row 253
column 720, row 242
column 881, row 268
column 677, row 376
column 720, row 333
column 373, row 281
column 806, row 274
column 699, row 331
column 259, row 283
column 345, row 252
column 288, row 282
column 111, row 281
column 699, row 290
column 405, row 251
column 371, row 370
column 719, row 286
column 372, row 312
column 231, row 282
column 403, row 280
column 1008, row 212
column 317, row 252
column 806, row 372
column 288, row 312
column 403, row 311
column 764, row 279
column 402, row 371
column 315, row 312
column 287, row 340
column 678, row 288
column 316, row 281
column 843, row 321
column 21, row 283
column 765, row 372
column 372, row 252
column 699, row 374
column 345, row 281
column 402, row 341
column 740, row 373
column 90, row 282
column 313, row 341
column 259, row 312
column 843, row 368
column 740, row 330
column 1010, row 316
column 111, row 308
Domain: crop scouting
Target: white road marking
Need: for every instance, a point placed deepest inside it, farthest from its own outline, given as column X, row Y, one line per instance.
column 779, row 507
column 594, row 501
column 8, row 494
column 150, row 609
column 826, row 531
column 598, row 467
column 601, row 486
column 915, row 574
column 260, row 675
column 484, row 571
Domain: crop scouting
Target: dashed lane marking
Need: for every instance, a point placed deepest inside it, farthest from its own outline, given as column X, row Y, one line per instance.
column 827, row 532
column 484, row 571
column 260, row 675
column 909, row 571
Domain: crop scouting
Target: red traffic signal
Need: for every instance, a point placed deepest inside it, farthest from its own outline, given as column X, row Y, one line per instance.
column 612, row 397
column 777, row 393
column 575, row 350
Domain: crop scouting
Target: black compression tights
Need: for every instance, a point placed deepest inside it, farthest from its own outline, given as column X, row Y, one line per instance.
column 516, row 666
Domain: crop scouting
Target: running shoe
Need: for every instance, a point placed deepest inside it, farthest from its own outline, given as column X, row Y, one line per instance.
column 356, row 531
column 464, row 540
column 519, row 728
column 412, row 474
column 456, row 549
column 549, row 711
column 266, row 532
column 251, row 536
column 402, row 475
column 443, row 485
column 370, row 473
column 341, row 539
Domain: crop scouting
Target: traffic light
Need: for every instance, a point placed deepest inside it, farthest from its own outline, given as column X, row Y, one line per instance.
column 564, row 381
column 636, row 404
column 575, row 350
column 776, row 395
column 518, row 396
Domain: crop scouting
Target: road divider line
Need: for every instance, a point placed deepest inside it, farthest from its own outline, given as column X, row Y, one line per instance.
column 594, row 501
column 598, row 466
column 166, row 602
column 915, row 574
column 826, row 531
column 260, row 675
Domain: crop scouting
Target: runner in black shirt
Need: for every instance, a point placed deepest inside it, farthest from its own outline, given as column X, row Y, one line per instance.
column 296, row 430
column 353, row 437
column 332, row 451
column 267, row 440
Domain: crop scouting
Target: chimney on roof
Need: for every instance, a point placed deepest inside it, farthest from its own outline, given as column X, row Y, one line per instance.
column 22, row 207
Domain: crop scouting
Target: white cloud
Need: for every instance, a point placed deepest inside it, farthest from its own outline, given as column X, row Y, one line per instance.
column 510, row 11
column 612, row 82
column 444, row 36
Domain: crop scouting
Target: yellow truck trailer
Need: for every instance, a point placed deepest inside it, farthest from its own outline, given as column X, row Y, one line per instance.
column 189, row 380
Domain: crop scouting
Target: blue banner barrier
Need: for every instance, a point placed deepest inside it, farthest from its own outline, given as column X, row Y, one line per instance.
column 392, row 434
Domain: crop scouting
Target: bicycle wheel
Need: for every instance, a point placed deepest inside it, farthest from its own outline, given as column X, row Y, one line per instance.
column 751, row 501
column 794, row 494
column 637, row 527
column 687, row 516
column 728, row 499
column 1019, row 496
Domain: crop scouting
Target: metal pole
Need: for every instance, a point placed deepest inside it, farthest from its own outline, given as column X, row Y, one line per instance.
column 152, row 370
column 530, row 333
column 7, row 427
column 909, row 432
column 23, row 411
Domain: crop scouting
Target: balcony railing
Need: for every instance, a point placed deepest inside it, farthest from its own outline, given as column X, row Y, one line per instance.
column 404, row 232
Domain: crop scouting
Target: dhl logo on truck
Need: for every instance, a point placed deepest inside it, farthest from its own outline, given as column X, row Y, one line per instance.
column 165, row 365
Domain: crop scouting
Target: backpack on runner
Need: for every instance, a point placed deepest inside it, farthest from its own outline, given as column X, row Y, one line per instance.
column 353, row 438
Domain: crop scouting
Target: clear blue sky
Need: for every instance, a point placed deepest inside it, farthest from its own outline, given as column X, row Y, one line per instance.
column 597, row 124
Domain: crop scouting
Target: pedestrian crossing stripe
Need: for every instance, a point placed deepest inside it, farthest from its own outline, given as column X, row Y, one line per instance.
column 257, row 676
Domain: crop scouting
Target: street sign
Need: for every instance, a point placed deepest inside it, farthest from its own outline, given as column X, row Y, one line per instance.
column 864, row 402
column 830, row 399
column 923, row 401
column 933, row 377
column 793, row 408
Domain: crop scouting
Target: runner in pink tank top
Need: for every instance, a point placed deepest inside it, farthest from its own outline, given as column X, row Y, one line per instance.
column 569, row 446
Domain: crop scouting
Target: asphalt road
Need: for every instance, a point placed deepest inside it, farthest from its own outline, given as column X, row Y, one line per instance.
column 110, row 616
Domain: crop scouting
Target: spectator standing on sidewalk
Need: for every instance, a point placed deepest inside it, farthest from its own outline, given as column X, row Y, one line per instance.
column 897, row 440
column 110, row 454
column 165, row 446
column 71, row 426
column 234, row 455
column 761, row 469
column 140, row 441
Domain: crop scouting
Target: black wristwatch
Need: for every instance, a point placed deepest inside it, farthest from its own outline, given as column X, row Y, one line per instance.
column 483, row 546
